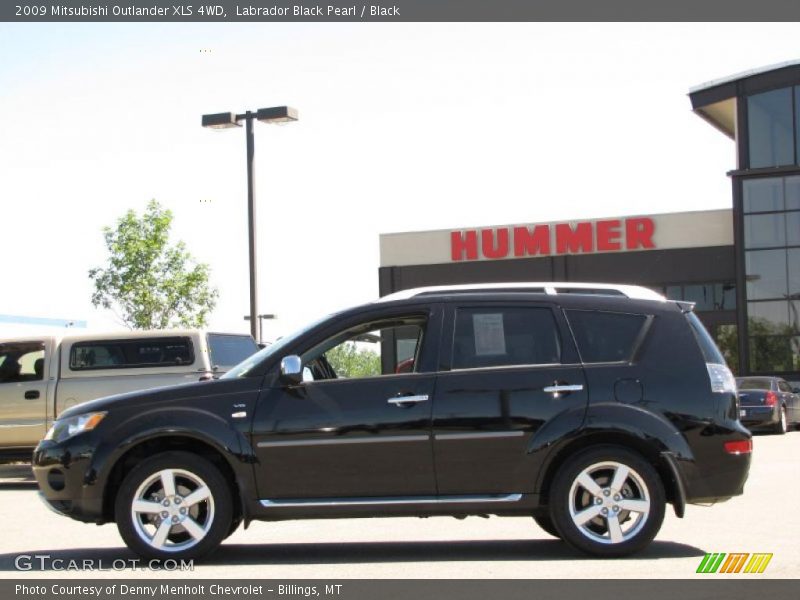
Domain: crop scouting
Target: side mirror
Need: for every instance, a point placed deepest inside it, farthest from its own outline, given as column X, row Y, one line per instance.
column 292, row 369
column 796, row 390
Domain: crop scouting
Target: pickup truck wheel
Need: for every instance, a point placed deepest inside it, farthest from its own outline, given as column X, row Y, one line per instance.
column 174, row 505
column 607, row 501
column 547, row 524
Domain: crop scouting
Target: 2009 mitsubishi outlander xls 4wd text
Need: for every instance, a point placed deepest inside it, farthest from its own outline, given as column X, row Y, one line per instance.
column 587, row 407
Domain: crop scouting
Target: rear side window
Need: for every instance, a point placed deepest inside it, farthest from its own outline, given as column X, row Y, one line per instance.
column 131, row 354
column 229, row 350
column 605, row 336
column 707, row 346
column 498, row 337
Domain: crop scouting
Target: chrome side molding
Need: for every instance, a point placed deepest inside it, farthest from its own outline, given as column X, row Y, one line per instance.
column 387, row 501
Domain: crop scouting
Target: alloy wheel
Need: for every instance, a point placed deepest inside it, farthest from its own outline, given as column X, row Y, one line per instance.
column 172, row 510
column 609, row 502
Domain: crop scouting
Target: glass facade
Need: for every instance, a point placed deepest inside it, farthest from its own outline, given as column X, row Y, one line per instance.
column 771, row 218
column 771, row 128
column 706, row 296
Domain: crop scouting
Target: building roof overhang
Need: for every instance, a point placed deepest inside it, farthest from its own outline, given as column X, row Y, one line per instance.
column 715, row 100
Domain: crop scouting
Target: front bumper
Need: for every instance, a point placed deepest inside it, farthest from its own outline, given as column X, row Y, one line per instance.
column 65, row 478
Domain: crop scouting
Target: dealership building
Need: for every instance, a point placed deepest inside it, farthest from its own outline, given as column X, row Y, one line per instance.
column 741, row 266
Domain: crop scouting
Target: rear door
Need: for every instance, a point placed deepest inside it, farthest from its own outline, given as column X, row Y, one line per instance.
column 512, row 368
column 23, row 393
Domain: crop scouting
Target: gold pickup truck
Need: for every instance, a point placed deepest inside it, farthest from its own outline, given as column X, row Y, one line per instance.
column 40, row 376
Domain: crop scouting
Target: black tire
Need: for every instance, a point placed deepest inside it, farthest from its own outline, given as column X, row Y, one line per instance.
column 642, row 487
column 546, row 523
column 213, row 514
column 781, row 427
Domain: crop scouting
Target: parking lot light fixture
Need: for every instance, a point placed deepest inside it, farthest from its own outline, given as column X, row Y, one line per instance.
column 277, row 115
column 224, row 120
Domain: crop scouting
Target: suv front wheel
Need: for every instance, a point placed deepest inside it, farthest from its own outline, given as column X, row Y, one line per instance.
column 174, row 505
column 607, row 501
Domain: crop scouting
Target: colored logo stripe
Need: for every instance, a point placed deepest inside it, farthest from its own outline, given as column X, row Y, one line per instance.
column 758, row 563
column 734, row 563
column 711, row 562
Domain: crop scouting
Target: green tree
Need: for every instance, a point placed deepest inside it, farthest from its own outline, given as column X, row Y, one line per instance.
column 349, row 361
column 148, row 283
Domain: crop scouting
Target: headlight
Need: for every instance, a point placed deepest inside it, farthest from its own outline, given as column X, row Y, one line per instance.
column 63, row 429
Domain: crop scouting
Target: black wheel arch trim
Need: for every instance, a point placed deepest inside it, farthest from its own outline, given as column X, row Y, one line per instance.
column 616, row 424
column 206, row 428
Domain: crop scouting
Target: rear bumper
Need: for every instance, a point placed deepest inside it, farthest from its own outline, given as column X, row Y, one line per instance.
column 759, row 416
column 715, row 475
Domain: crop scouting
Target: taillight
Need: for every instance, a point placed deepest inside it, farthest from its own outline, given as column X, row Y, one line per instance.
column 721, row 378
column 743, row 447
column 771, row 399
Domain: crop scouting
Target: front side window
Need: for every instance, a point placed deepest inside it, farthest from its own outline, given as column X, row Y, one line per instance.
column 382, row 347
column 128, row 354
column 502, row 337
column 21, row 362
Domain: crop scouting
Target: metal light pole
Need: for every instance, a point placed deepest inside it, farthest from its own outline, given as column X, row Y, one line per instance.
column 275, row 114
column 261, row 319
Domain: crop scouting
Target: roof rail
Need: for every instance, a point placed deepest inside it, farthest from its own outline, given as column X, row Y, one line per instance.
column 552, row 288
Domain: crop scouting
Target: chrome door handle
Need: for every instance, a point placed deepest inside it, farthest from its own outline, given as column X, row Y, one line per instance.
column 400, row 400
column 563, row 388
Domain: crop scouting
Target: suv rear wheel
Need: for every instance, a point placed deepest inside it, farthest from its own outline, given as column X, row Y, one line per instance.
column 607, row 501
column 174, row 505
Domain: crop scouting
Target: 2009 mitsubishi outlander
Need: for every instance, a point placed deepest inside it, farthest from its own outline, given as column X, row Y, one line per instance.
column 586, row 407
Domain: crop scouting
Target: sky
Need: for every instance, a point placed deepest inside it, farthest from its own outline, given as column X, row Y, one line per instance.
column 403, row 127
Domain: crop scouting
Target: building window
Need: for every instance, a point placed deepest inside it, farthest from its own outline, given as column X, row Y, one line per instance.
column 706, row 296
column 771, row 128
column 771, row 209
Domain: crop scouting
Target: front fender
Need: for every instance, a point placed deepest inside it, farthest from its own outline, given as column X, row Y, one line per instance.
column 204, row 427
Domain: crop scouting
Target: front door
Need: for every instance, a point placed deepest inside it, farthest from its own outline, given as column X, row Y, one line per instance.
column 23, row 394
column 513, row 368
column 359, row 424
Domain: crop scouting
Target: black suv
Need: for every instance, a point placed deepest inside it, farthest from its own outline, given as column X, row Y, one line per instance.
column 586, row 407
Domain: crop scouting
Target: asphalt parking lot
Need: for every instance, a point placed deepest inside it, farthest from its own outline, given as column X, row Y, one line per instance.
column 764, row 519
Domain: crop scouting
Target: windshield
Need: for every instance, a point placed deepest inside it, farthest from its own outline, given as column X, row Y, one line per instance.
column 243, row 368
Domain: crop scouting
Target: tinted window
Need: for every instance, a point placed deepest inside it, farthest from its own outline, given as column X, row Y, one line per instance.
column 21, row 361
column 605, row 336
column 497, row 337
column 754, row 383
column 127, row 354
column 707, row 346
column 229, row 350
